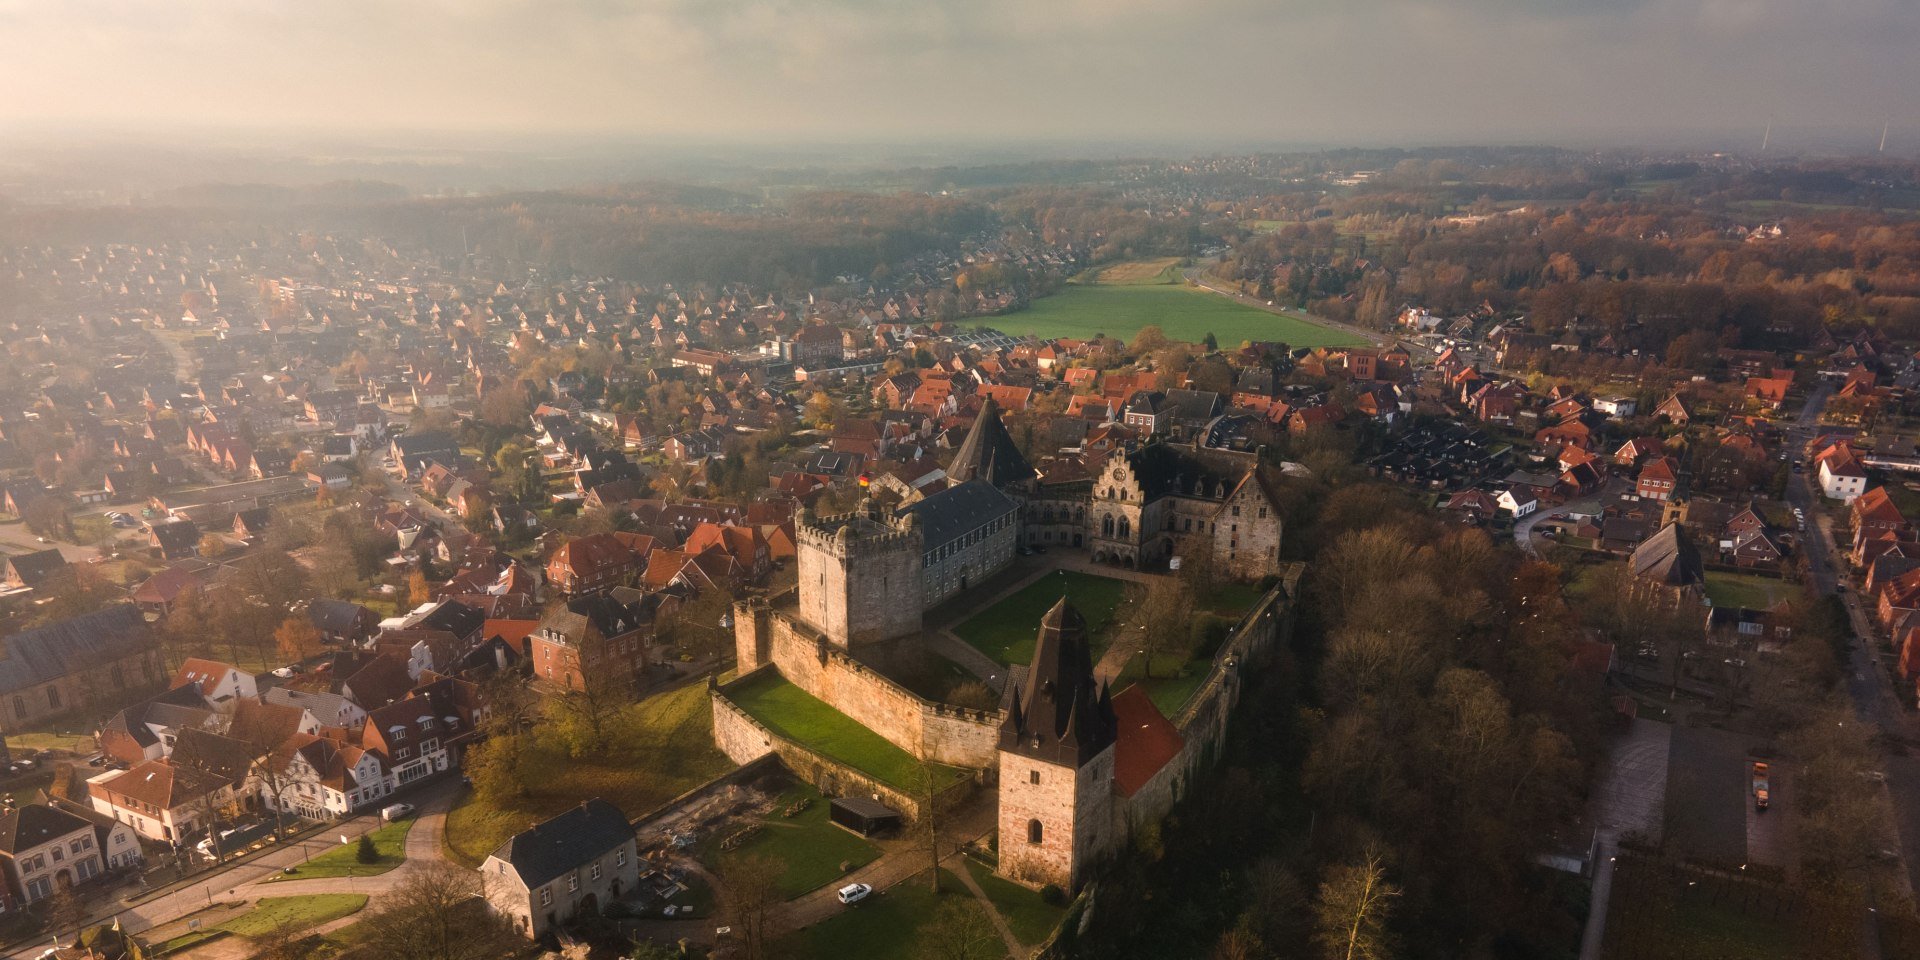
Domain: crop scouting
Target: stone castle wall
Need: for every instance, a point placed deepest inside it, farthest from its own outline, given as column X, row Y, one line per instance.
column 745, row 740
column 1206, row 718
column 930, row 730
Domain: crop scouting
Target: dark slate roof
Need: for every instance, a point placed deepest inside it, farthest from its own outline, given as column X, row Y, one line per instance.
column 1061, row 714
column 1670, row 558
column 35, row 656
column 957, row 510
column 1197, row 405
column 989, row 453
column 566, row 842
column 334, row 616
column 34, row 568
column 454, row 617
column 176, row 536
column 31, row 826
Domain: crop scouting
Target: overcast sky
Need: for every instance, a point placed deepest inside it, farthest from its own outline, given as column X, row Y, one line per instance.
column 1320, row 71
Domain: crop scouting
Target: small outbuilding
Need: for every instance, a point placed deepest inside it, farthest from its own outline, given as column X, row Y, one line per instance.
column 863, row 816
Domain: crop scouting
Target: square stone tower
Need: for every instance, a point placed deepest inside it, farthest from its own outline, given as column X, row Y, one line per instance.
column 860, row 576
column 1056, row 762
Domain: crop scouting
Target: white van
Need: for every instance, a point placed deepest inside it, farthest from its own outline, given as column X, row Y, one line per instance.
column 398, row 811
column 854, row 892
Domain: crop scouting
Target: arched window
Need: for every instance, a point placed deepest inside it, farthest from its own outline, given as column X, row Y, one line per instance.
column 1125, row 526
column 1106, row 526
column 1034, row 831
column 20, row 708
column 119, row 679
column 53, row 698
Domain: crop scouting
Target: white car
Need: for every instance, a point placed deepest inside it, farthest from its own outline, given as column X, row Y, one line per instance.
column 854, row 893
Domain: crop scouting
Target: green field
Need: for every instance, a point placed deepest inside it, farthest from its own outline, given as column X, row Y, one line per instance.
column 1737, row 590
column 808, row 847
column 884, row 926
column 1006, row 631
column 1181, row 312
column 1030, row 918
column 799, row 716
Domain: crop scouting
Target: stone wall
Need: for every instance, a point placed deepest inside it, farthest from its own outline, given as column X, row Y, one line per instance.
column 746, row 740
column 1206, row 718
column 932, row 731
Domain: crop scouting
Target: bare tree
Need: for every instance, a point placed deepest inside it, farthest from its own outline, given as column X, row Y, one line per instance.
column 1162, row 620
column 438, row 913
column 1352, row 911
column 960, row 930
column 749, row 890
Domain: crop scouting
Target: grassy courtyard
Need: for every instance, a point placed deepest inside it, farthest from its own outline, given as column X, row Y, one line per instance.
column 344, row 859
column 1743, row 590
column 662, row 747
column 1030, row 918
column 797, row 715
column 1006, row 631
column 1121, row 309
column 885, row 926
column 808, row 847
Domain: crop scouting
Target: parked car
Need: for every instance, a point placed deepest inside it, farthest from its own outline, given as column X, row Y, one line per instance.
column 398, row 811
column 854, row 893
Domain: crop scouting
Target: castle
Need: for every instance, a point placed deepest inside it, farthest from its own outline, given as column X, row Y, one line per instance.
column 1076, row 766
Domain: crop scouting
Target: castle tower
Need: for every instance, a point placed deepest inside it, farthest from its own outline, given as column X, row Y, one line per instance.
column 752, row 633
column 1056, row 761
column 860, row 578
column 989, row 453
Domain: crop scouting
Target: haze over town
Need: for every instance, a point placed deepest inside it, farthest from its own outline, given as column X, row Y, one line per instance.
column 1095, row 480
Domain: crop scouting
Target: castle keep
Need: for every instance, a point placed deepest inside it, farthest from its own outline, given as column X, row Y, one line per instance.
column 1075, row 767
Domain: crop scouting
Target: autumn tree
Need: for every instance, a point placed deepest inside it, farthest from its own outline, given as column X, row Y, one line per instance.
column 297, row 639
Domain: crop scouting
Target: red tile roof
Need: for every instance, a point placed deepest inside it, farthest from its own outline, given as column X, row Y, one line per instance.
column 1146, row 742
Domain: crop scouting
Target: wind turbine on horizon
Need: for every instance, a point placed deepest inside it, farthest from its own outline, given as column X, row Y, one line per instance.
column 1765, row 138
column 1883, row 135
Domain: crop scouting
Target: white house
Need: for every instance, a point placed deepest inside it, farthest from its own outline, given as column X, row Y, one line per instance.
column 1516, row 503
column 44, row 849
column 1842, row 477
column 319, row 779
column 580, row 860
column 1617, row 406
column 327, row 709
column 222, row 684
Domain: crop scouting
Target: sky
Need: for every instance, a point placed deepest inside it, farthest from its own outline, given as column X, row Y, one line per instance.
column 1366, row 72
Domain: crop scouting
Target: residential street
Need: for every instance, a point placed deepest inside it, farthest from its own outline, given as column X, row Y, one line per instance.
column 1874, row 700
column 250, row 880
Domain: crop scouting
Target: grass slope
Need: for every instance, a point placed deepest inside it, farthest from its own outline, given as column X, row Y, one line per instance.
column 797, row 715
column 1006, row 630
column 1738, row 590
column 662, row 748
column 1181, row 312
column 298, row 913
column 885, row 926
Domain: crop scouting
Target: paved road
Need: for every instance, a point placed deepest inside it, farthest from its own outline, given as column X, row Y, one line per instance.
column 248, row 880
column 1590, row 504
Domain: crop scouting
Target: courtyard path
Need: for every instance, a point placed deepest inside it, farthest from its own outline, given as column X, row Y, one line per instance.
column 948, row 643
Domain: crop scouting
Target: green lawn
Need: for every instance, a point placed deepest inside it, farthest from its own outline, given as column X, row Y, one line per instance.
column 884, row 926
column 1173, row 683
column 390, row 840
column 1161, row 270
column 1740, row 590
column 797, row 715
column 1006, row 631
column 300, row 913
column 1181, row 312
column 1030, row 918
column 663, row 747
column 809, row 848
column 1231, row 600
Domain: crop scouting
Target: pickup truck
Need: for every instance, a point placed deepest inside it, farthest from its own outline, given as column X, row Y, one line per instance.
column 1761, row 787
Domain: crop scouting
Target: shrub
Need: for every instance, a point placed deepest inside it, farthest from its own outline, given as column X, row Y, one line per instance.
column 1052, row 895
column 367, row 852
